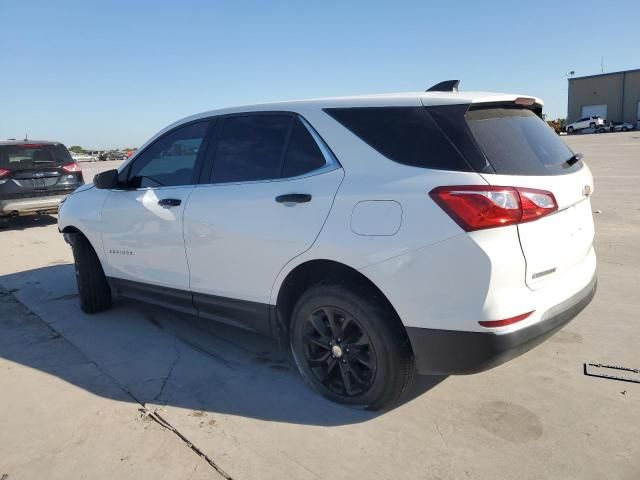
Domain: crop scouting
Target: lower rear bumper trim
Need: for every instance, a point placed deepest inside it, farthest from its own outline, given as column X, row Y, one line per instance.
column 445, row 352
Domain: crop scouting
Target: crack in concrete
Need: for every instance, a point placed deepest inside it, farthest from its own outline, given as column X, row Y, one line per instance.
column 170, row 373
column 156, row 417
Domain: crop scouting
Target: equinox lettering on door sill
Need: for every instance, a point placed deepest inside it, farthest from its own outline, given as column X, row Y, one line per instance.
column 121, row 252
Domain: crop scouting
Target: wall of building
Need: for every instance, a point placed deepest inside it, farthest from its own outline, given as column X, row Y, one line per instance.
column 605, row 89
column 631, row 96
column 620, row 91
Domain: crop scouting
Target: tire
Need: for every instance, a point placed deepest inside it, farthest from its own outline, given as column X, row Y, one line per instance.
column 94, row 291
column 365, row 360
column 592, row 125
column 569, row 130
column 625, row 129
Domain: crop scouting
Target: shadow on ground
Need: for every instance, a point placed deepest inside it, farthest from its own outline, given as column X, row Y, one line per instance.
column 163, row 358
column 24, row 223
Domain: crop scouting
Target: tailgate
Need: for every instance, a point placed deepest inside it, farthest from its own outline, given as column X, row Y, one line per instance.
column 524, row 152
column 555, row 244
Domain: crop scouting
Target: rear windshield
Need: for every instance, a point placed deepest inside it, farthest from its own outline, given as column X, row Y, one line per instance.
column 517, row 142
column 33, row 155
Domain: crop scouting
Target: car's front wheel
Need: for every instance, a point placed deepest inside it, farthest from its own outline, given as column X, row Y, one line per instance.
column 93, row 288
column 350, row 347
column 569, row 129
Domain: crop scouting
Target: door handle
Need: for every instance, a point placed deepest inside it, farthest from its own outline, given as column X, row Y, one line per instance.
column 169, row 202
column 294, row 198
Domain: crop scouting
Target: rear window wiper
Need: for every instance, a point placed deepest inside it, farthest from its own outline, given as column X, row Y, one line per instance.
column 574, row 159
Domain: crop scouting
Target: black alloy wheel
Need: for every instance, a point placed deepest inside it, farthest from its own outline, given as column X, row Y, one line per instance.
column 339, row 352
column 350, row 346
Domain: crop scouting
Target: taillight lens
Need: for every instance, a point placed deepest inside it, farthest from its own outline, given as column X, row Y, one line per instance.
column 476, row 207
column 72, row 168
column 4, row 172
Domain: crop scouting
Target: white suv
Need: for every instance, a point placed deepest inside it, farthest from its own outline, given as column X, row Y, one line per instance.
column 444, row 232
column 586, row 122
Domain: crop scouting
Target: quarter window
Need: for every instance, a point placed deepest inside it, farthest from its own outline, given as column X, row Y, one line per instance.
column 169, row 161
column 405, row 135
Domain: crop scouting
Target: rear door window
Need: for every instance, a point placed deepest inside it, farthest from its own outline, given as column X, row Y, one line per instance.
column 517, row 142
column 303, row 153
column 250, row 148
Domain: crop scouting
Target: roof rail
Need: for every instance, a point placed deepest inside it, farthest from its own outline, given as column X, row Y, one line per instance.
column 446, row 86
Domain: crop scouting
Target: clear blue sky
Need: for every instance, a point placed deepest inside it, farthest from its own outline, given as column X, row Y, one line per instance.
column 111, row 73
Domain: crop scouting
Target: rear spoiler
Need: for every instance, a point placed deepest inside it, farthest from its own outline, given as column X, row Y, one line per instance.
column 446, row 86
column 521, row 102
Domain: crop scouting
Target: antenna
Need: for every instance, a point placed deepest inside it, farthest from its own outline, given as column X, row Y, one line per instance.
column 601, row 64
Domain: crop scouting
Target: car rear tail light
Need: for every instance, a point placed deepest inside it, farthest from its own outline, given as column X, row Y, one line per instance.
column 506, row 321
column 4, row 172
column 72, row 168
column 476, row 207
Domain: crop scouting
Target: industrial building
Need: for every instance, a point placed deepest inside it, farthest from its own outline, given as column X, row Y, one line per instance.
column 613, row 96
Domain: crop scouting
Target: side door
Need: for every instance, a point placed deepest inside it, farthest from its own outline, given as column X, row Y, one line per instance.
column 269, row 191
column 142, row 229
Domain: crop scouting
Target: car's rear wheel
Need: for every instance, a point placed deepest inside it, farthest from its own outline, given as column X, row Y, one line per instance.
column 350, row 347
column 625, row 129
column 569, row 129
column 93, row 288
column 592, row 125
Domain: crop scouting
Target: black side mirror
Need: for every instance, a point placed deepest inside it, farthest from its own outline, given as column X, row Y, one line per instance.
column 106, row 180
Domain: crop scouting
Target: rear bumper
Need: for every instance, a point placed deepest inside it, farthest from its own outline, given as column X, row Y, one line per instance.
column 460, row 352
column 30, row 206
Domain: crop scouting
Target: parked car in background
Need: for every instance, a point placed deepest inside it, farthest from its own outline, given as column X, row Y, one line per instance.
column 620, row 126
column 83, row 157
column 35, row 176
column 442, row 232
column 586, row 122
column 116, row 155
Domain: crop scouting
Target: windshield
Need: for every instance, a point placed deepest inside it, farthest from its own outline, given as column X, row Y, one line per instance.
column 33, row 155
column 518, row 142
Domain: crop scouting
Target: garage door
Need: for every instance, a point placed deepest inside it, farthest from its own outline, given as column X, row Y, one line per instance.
column 595, row 110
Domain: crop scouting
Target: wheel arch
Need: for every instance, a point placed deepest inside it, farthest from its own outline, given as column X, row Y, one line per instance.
column 70, row 230
column 317, row 272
